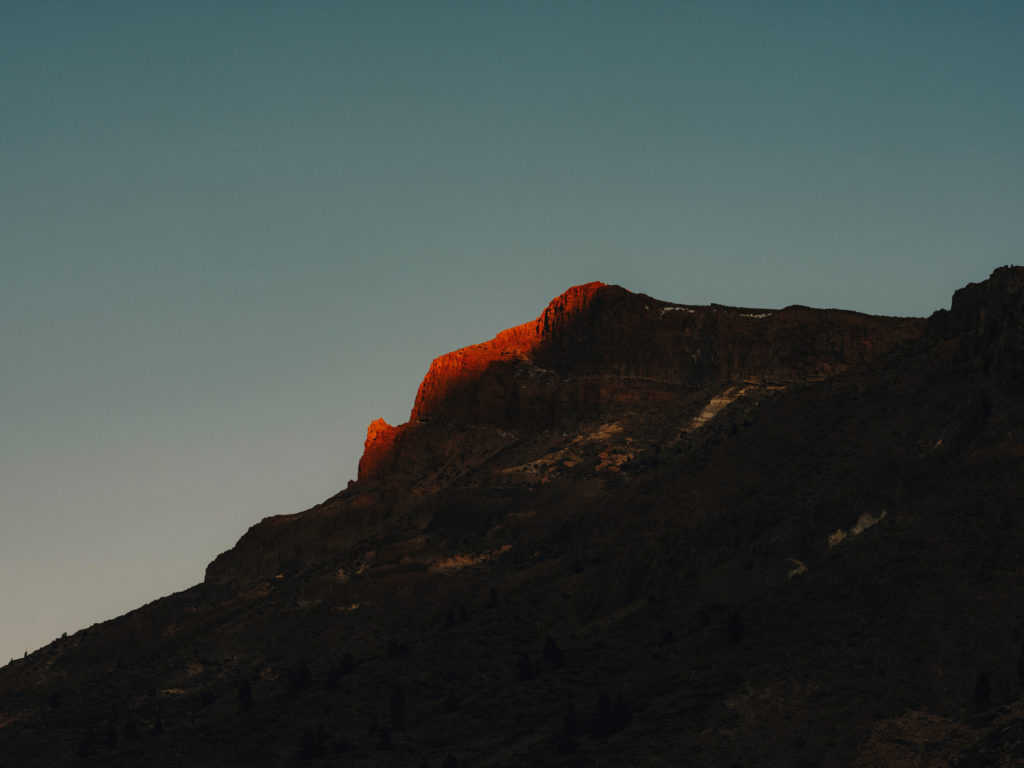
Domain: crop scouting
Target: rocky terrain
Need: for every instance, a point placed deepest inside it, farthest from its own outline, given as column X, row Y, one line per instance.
column 629, row 532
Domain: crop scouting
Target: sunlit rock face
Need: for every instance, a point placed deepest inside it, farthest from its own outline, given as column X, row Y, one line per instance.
column 600, row 345
column 380, row 442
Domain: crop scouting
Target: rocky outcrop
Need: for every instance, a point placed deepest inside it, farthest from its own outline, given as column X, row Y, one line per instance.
column 596, row 343
column 985, row 308
column 986, row 323
column 380, row 443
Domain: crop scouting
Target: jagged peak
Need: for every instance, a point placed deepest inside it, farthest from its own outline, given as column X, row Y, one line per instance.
column 377, row 428
column 380, row 439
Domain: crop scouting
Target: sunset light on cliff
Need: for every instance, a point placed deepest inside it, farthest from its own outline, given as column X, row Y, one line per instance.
column 235, row 235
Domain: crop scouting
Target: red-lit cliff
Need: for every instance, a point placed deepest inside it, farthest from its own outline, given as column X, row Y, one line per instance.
column 598, row 346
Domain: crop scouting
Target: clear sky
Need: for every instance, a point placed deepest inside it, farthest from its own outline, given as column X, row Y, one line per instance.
column 234, row 233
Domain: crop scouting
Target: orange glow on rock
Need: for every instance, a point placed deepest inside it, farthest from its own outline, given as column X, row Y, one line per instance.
column 460, row 368
column 380, row 441
column 453, row 378
column 600, row 343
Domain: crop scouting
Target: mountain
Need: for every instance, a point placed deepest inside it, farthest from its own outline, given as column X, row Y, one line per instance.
column 629, row 532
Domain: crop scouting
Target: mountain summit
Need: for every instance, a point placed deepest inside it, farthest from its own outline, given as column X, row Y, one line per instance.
column 629, row 532
column 599, row 344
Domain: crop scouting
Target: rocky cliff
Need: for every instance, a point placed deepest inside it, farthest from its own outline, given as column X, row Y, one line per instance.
column 988, row 319
column 598, row 346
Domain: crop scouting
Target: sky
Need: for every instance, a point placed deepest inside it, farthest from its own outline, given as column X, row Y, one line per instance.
column 234, row 233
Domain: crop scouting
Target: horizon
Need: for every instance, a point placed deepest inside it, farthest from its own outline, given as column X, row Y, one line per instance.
column 238, row 234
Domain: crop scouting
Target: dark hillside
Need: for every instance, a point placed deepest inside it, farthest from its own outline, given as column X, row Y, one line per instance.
column 627, row 533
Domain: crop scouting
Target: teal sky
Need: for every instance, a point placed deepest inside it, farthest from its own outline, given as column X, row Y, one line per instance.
column 234, row 233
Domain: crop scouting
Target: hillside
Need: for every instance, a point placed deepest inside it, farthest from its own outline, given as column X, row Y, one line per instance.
column 629, row 532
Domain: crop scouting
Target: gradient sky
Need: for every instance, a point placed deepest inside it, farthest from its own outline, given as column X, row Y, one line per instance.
column 234, row 233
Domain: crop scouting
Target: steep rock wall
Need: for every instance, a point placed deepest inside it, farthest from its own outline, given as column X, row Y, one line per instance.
column 528, row 377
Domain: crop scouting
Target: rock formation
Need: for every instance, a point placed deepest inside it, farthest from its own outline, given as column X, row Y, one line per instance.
column 627, row 532
column 598, row 346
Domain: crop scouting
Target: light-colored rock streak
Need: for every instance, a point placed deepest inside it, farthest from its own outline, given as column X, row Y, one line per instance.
column 715, row 406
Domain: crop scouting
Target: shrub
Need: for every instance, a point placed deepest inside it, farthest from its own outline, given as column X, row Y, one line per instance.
column 313, row 743
column 333, row 681
column 524, row 668
column 298, row 678
column 1020, row 667
column 396, row 649
column 397, row 708
column 87, row 744
column 610, row 717
column 734, row 628
column 244, row 696
column 982, row 693
column 552, row 655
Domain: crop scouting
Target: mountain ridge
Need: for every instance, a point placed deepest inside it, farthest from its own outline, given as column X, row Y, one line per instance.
column 597, row 329
column 803, row 549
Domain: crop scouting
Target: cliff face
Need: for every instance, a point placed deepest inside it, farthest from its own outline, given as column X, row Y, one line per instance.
column 625, row 532
column 598, row 344
column 987, row 320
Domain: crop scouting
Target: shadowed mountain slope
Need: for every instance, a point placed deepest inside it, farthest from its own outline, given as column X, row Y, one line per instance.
column 626, row 533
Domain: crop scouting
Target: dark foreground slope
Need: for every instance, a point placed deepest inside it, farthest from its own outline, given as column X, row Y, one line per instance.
column 627, row 533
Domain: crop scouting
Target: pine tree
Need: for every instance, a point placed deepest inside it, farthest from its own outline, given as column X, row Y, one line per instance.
column 604, row 715
column 313, row 743
column 397, row 707
column 109, row 737
column 1020, row 666
column 244, row 696
column 524, row 668
column 569, row 721
column 562, row 742
column 451, row 702
column 346, row 666
column 87, row 744
column 621, row 712
column 298, row 678
column 396, row 649
column 734, row 628
column 610, row 717
column 552, row 655
column 333, row 681
column 982, row 693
